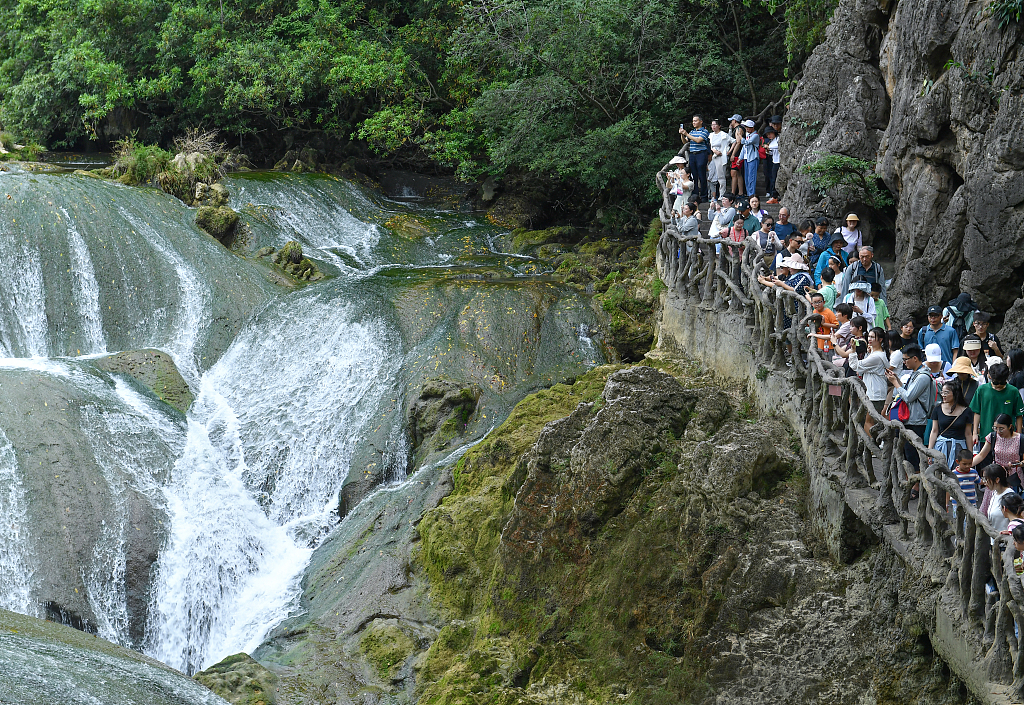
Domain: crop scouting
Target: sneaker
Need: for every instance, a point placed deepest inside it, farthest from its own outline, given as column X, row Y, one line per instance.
column 772, row 200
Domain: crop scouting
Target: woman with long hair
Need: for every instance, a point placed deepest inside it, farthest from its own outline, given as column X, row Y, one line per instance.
column 871, row 370
column 994, row 478
column 952, row 423
column 736, row 164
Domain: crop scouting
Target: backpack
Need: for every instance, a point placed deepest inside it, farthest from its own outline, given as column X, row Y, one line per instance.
column 901, row 410
column 959, row 323
column 762, row 150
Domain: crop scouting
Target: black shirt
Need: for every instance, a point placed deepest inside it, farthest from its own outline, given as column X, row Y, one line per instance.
column 957, row 424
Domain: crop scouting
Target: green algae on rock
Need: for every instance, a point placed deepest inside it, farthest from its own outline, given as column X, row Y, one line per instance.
column 291, row 260
column 153, row 369
column 240, row 680
column 219, row 221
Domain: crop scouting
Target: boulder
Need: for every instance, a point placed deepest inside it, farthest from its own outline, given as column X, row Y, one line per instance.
column 211, row 195
column 219, row 221
column 155, row 370
column 240, row 680
column 439, row 414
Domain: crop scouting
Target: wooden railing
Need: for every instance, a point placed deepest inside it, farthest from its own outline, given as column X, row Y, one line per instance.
column 960, row 548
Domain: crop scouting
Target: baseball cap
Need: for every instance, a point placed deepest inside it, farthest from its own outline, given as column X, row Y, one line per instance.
column 748, row 123
column 932, row 352
column 737, row 117
column 935, row 310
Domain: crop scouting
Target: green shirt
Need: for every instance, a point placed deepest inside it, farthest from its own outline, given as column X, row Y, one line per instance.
column 988, row 404
column 881, row 312
column 830, row 294
column 752, row 224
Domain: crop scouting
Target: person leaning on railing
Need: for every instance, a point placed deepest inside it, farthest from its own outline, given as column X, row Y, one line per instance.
column 918, row 393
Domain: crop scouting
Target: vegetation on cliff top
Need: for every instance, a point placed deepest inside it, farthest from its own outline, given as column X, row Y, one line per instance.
column 589, row 93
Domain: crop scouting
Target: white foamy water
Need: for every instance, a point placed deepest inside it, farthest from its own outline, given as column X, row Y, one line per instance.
column 15, row 566
column 194, row 298
column 270, row 440
column 23, row 295
column 86, row 291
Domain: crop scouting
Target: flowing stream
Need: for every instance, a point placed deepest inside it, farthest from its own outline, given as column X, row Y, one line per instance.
column 186, row 535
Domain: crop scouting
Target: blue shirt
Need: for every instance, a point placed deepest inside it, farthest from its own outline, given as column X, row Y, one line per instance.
column 784, row 230
column 823, row 262
column 750, row 144
column 945, row 337
column 700, row 146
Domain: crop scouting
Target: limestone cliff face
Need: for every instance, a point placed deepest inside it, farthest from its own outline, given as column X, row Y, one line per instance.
column 933, row 92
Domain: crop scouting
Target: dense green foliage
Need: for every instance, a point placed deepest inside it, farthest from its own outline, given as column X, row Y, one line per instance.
column 1006, row 11
column 590, row 91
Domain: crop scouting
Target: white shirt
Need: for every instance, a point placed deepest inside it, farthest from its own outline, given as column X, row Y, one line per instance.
column 872, row 370
column 773, row 147
column 896, row 362
column 721, row 141
column 995, row 510
column 867, row 305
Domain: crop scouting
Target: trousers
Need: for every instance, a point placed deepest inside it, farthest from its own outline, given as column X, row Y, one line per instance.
column 699, row 171
column 750, row 176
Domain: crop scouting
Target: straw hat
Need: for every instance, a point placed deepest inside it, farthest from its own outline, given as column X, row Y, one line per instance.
column 853, row 216
column 962, row 365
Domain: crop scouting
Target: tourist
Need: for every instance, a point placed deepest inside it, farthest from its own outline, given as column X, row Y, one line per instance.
column 857, row 344
column 972, row 351
column 1005, row 445
column 895, row 342
column 826, row 322
column 993, row 399
column 699, row 140
column 996, row 487
column 919, row 394
column 771, row 166
column 724, row 208
column 851, row 233
column 783, row 228
column 834, row 248
column 990, row 345
column 1013, row 509
column 959, row 314
column 718, row 171
column 795, row 279
column 792, row 247
column 952, row 423
column 907, row 329
column 750, row 156
column 940, row 333
column 819, row 241
column 689, row 225
column 836, row 265
column 736, row 166
column 1018, row 546
column 844, row 334
column 871, row 369
column 860, row 298
column 967, row 477
column 964, row 372
column 864, row 268
column 766, row 235
column 828, row 289
column 755, row 208
column 881, row 309
column 936, row 367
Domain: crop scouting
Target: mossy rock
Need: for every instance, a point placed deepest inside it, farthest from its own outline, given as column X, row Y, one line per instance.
column 387, row 648
column 240, row 680
column 290, row 253
column 218, row 221
column 153, row 369
column 408, row 226
column 524, row 240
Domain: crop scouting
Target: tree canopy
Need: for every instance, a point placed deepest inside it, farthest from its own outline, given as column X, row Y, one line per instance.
column 586, row 90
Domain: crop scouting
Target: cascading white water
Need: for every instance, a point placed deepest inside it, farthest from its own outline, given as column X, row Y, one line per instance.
column 22, row 289
column 15, row 565
column 86, row 290
column 269, row 444
column 194, row 301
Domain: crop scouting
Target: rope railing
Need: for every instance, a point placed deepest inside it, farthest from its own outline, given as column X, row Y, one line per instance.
column 958, row 549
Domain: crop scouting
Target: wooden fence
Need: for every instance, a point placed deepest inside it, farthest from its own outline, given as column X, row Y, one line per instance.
column 959, row 548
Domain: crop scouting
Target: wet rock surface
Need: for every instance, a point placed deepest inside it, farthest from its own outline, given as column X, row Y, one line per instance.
column 42, row 663
column 240, row 680
column 439, row 414
column 933, row 90
column 153, row 369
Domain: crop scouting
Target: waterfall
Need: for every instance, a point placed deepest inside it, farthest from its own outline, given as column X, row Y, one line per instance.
column 15, row 563
column 86, row 291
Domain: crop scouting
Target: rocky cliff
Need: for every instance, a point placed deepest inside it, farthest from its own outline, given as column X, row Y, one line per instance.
column 932, row 92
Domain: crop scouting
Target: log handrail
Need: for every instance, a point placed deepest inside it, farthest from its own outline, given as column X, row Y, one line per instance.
column 957, row 548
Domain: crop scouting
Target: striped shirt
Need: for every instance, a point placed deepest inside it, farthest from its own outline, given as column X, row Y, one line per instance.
column 700, row 146
column 969, row 484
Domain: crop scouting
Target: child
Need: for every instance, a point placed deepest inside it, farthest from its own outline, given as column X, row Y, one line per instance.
column 860, row 298
column 1018, row 547
column 966, row 476
column 1013, row 509
column 881, row 309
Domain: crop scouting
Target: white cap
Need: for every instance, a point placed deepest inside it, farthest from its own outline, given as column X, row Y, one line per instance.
column 748, row 123
column 932, row 352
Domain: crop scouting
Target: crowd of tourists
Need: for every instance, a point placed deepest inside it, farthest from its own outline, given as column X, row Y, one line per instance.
column 949, row 381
